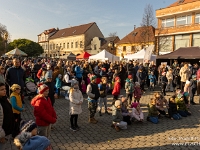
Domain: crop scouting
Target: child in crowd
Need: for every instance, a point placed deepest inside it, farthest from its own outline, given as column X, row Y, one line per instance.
column 137, row 112
column 83, row 87
column 172, row 110
column 164, row 82
column 76, row 100
column 29, row 140
column 58, row 84
column 152, row 111
column 17, row 106
column 160, row 102
column 137, row 92
column 193, row 89
column 186, row 99
column 103, row 95
column 117, row 117
column 152, row 79
column 182, row 108
column 129, row 88
column 116, row 90
column 125, row 112
column 187, row 86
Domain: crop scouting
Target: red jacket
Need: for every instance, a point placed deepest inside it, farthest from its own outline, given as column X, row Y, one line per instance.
column 198, row 74
column 39, row 73
column 43, row 111
column 137, row 93
column 116, row 89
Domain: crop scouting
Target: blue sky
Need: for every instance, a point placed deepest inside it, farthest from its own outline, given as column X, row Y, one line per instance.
column 28, row 18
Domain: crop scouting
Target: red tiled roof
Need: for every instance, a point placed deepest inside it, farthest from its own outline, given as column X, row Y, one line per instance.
column 181, row 2
column 48, row 31
column 76, row 30
column 138, row 36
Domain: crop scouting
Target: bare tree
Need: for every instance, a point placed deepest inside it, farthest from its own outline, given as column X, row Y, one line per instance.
column 148, row 20
column 3, row 31
column 112, row 34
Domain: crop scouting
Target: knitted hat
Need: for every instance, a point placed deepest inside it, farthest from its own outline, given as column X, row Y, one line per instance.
column 137, row 83
column 15, row 86
column 74, row 82
column 60, row 76
column 28, row 126
column 134, row 105
column 186, row 94
column 117, row 78
column 42, row 88
column 187, row 82
column 92, row 77
column 164, row 73
column 118, row 103
column 130, row 76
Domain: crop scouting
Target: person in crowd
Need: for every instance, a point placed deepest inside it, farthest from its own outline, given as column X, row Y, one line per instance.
column 152, row 79
column 116, row 89
column 29, row 140
column 76, row 100
column 16, row 102
column 129, row 88
column 2, row 76
column 56, row 72
column 141, row 78
column 153, row 113
column 192, row 89
column 117, row 118
column 172, row 110
column 83, row 87
column 103, row 72
column 58, row 84
column 103, row 86
column 122, row 75
column 187, row 86
column 6, row 117
column 176, row 77
column 79, row 74
column 137, row 112
column 125, row 112
column 44, row 112
column 116, row 74
column 26, row 67
column 93, row 96
column 182, row 108
column 164, row 82
column 160, row 102
column 137, row 92
column 36, row 68
column 169, row 76
column 15, row 75
column 185, row 74
column 186, row 99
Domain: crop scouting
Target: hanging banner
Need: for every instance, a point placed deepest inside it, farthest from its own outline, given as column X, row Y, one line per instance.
column 148, row 53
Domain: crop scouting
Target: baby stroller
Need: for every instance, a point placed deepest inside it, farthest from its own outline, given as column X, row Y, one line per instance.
column 31, row 88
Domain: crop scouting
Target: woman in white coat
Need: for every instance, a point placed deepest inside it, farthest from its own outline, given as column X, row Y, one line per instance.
column 76, row 100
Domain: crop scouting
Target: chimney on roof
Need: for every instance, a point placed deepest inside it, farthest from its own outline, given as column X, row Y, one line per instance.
column 134, row 27
column 57, row 29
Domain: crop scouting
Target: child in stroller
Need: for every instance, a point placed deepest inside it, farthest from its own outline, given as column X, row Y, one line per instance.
column 31, row 88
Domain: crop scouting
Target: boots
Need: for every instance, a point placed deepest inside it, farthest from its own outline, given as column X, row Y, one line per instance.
column 92, row 120
column 100, row 113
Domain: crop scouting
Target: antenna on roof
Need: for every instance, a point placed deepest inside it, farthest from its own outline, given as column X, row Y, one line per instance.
column 180, row 1
column 69, row 25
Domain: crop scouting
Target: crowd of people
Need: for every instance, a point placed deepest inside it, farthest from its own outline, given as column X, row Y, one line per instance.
column 97, row 80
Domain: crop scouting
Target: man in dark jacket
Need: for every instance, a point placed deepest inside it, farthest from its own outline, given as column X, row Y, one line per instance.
column 15, row 74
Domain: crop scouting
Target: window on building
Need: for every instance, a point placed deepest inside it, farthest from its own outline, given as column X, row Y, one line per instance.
column 124, row 48
column 196, row 39
column 182, row 41
column 168, row 22
column 50, row 46
column 43, row 46
column 197, row 18
column 39, row 38
column 95, row 46
column 72, row 44
column 76, row 45
column 81, row 44
column 46, row 46
column 165, row 44
column 42, row 38
column 183, row 20
column 46, row 38
column 132, row 48
column 63, row 45
column 68, row 45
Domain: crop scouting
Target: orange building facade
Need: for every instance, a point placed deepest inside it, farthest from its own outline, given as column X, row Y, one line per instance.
column 178, row 26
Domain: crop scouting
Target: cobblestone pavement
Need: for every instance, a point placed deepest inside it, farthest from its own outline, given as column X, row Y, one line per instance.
column 138, row 135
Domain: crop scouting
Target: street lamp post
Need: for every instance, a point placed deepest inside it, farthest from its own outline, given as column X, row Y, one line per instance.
column 5, row 40
column 112, row 46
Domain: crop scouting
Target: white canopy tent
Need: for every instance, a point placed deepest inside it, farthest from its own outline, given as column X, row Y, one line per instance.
column 104, row 55
column 139, row 56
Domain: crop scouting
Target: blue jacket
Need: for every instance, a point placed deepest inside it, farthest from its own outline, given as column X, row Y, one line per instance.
column 58, row 83
column 152, row 78
column 78, row 71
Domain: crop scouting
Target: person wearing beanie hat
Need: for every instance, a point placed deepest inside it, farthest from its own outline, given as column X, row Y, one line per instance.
column 58, row 84
column 17, row 106
column 93, row 96
column 152, row 79
column 137, row 92
column 44, row 112
column 117, row 118
column 116, row 89
column 137, row 112
column 27, row 141
column 129, row 88
column 76, row 100
column 29, row 126
column 125, row 112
